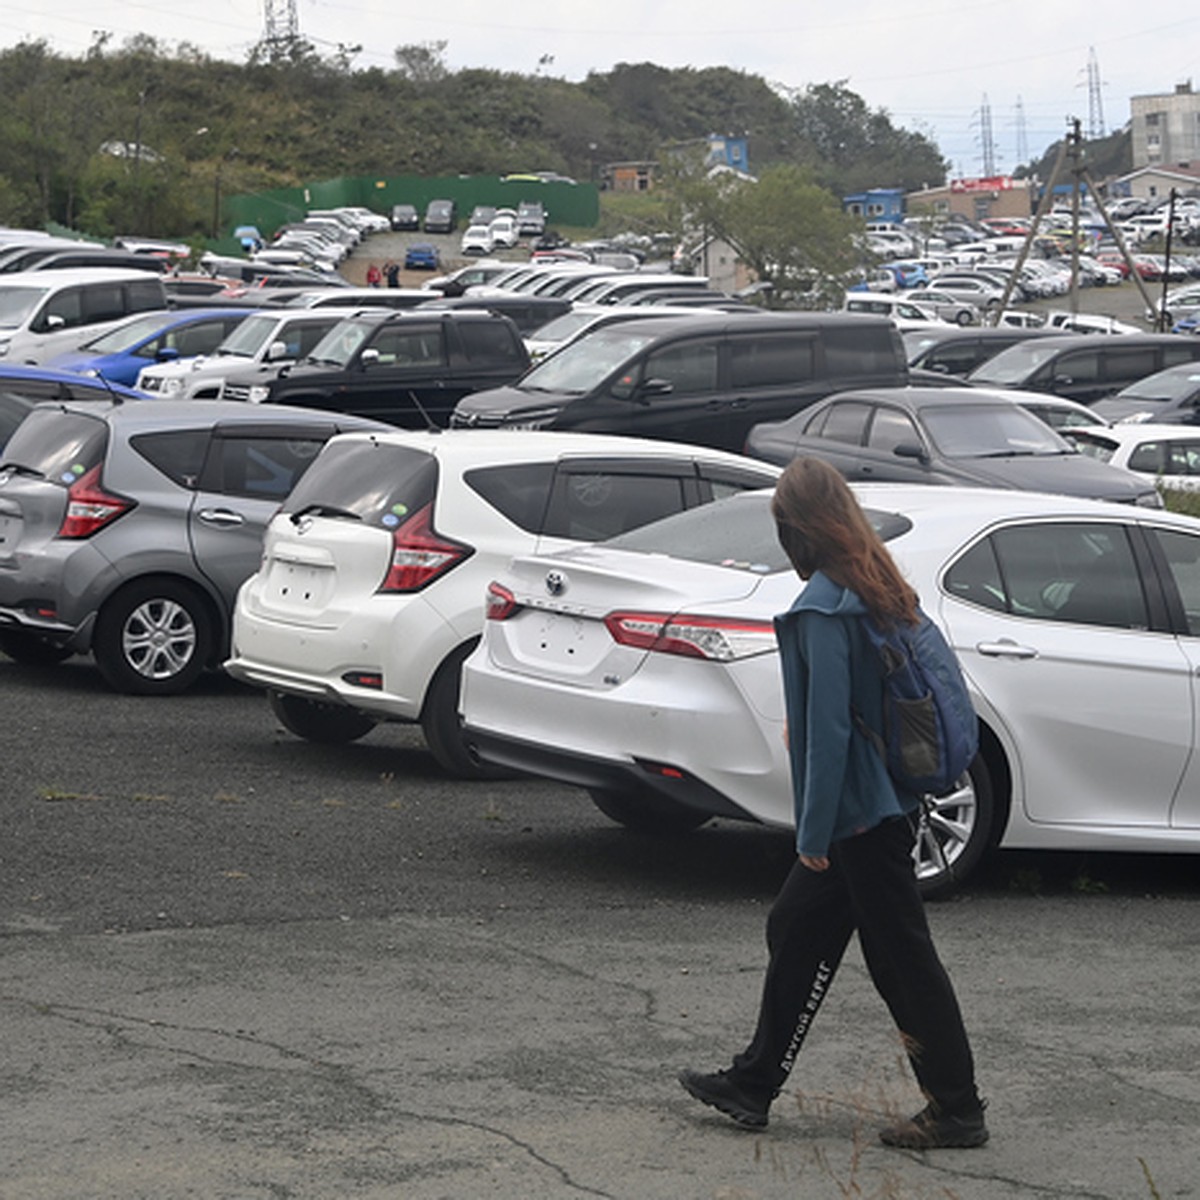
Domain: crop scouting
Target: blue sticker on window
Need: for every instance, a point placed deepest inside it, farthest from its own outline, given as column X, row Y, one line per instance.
column 391, row 520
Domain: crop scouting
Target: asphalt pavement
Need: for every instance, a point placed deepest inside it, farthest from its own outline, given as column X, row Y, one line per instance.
column 235, row 966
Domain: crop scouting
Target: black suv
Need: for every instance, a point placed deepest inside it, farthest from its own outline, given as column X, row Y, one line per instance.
column 408, row 368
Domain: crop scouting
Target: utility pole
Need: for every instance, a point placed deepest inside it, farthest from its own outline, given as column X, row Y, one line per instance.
column 1095, row 100
column 985, row 135
column 1043, row 208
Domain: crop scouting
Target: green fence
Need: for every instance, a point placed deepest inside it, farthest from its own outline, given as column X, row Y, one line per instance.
column 576, row 205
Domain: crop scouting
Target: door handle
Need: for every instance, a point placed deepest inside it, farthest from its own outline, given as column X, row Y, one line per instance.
column 224, row 517
column 1005, row 648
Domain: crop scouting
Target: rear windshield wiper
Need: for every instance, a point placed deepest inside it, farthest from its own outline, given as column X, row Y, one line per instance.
column 322, row 510
column 21, row 469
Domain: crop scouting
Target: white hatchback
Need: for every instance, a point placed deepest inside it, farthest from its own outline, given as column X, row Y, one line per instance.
column 646, row 669
column 371, row 590
column 1168, row 454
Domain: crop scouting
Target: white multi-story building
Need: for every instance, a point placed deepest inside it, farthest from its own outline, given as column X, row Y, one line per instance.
column 1166, row 128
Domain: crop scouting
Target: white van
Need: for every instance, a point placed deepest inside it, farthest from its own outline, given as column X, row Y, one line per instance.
column 44, row 313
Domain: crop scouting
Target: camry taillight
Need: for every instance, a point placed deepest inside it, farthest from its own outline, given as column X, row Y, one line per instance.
column 720, row 639
column 419, row 555
column 90, row 507
column 499, row 604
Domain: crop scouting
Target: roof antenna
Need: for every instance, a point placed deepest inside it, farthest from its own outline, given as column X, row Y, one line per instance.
column 430, row 424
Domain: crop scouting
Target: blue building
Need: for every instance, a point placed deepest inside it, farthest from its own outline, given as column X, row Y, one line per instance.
column 728, row 151
column 876, row 206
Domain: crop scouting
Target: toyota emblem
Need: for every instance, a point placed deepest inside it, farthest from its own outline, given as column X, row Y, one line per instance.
column 556, row 583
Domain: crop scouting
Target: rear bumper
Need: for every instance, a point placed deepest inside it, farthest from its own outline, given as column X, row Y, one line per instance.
column 600, row 774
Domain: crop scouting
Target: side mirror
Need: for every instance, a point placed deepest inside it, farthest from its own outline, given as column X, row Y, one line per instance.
column 651, row 388
column 911, row 450
column 276, row 351
column 369, row 358
column 54, row 321
column 167, row 354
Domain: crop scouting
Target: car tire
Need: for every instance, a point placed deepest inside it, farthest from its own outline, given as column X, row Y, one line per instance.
column 963, row 318
column 316, row 721
column 442, row 726
column 955, row 833
column 646, row 812
column 153, row 638
column 32, row 651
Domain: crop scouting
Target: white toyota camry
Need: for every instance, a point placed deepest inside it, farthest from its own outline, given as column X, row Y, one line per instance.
column 645, row 669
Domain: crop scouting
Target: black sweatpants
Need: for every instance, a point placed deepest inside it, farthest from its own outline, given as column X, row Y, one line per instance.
column 869, row 887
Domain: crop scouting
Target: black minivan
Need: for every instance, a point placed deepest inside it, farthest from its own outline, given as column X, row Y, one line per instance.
column 1085, row 366
column 704, row 379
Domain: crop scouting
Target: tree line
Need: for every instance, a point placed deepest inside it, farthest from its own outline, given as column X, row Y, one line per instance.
column 140, row 138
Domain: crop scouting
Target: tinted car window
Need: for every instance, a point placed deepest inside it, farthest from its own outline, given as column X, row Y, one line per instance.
column 519, row 492
column 862, row 351
column 1182, row 552
column 400, row 346
column 490, row 342
column 1122, row 365
column 59, row 445
column 590, row 505
column 892, row 428
column 841, row 423
column 103, row 302
column 1075, row 572
column 178, row 454
column 1083, row 367
column 689, row 367
column 257, row 466
column 372, row 481
column 764, row 361
column 67, row 305
column 1167, row 458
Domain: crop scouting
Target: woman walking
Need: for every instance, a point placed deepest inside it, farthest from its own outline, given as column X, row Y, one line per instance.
column 854, row 832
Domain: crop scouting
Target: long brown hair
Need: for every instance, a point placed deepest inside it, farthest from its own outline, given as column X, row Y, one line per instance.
column 821, row 526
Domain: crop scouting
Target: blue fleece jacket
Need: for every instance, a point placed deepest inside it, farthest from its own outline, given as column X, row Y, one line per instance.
column 840, row 785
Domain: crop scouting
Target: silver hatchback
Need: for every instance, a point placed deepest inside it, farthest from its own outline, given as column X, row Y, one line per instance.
column 127, row 528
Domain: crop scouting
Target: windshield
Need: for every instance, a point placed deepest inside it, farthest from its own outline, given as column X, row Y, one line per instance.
column 127, row 336
column 1166, row 385
column 563, row 327
column 248, row 338
column 16, row 303
column 990, row 431
column 583, row 365
column 1016, row 363
column 341, row 343
column 57, row 444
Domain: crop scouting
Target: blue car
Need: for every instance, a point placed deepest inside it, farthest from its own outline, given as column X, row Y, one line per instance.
column 421, row 256
column 23, row 387
column 152, row 337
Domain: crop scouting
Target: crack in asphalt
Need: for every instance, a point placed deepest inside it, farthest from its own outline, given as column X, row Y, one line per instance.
column 118, row 1027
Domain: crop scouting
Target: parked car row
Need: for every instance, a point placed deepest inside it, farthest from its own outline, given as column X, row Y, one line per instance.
column 340, row 563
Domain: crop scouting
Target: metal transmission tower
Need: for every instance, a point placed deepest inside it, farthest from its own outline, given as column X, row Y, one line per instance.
column 281, row 25
column 1022, row 134
column 985, row 138
column 1095, row 103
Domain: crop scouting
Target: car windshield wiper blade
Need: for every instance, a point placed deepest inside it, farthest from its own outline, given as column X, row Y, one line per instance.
column 323, row 510
column 21, row 469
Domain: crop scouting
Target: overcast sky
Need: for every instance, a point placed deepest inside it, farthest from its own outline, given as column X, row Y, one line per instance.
column 938, row 66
